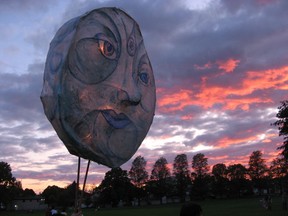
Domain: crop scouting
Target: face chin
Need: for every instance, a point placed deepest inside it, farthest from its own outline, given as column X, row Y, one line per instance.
column 103, row 131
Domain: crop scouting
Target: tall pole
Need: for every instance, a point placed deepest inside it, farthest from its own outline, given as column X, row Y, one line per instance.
column 84, row 184
column 77, row 185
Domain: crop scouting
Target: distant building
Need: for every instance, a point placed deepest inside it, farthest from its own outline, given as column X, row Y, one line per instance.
column 29, row 203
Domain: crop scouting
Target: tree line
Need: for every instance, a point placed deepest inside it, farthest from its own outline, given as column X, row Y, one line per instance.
column 199, row 182
column 196, row 181
column 10, row 187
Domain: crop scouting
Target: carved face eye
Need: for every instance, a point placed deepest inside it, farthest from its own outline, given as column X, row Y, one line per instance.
column 144, row 77
column 107, row 49
column 144, row 71
column 93, row 60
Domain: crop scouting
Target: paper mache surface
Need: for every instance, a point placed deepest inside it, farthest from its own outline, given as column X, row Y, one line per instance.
column 99, row 90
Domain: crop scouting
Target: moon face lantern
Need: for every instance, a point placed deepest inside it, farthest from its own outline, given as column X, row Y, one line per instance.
column 99, row 89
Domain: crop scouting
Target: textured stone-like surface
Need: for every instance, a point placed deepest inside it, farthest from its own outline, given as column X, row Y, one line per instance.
column 99, row 89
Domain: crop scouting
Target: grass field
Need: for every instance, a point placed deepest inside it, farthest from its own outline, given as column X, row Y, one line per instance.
column 232, row 207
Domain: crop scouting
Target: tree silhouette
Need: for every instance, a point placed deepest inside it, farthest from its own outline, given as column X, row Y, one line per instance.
column 279, row 167
column 219, row 171
column 182, row 175
column 200, row 165
column 139, row 175
column 220, row 181
column 282, row 124
column 115, row 186
column 6, row 177
column 52, row 194
column 257, row 170
column 7, row 183
column 159, row 178
column 279, row 170
column 238, row 181
column 200, row 176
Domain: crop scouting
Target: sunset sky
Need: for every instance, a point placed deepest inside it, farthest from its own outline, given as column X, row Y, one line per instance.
column 221, row 70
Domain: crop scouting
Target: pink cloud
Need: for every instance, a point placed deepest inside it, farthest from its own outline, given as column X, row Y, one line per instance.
column 230, row 97
column 175, row 101
column 205, row 66
column 228, row 65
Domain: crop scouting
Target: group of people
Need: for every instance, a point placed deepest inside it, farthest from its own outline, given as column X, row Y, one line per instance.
column 52, row 211
column 188, row 209
column 267, row 202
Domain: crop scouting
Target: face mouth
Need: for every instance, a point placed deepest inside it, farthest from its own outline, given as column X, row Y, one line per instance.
column 115, row 120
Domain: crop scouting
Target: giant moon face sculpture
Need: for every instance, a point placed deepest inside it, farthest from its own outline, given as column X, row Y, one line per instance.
column 99, row 89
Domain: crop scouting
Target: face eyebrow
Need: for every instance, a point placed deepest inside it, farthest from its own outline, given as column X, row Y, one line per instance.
column 111, row 25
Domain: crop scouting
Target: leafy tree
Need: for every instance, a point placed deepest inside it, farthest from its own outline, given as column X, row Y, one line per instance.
column 282, row 124
column 220, row 182
column 237, row 174
column 115, row 186
column 7, row 183
column 200, row 177
column 200, row 165
column 236, row 171
column 160, row 169
column 279, row 170
column 219, row 171
column 159, row 176
column 279, row 167
column 258, row 170
column 58, row 196
column 28, row 192
column 257, row 167
column 139, row 175
column 52, row 194
column 67, row 195
column 6, row 177
column 182, row 175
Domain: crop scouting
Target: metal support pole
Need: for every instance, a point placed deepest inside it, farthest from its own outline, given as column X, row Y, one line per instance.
column 85, row 179
column 77, row 185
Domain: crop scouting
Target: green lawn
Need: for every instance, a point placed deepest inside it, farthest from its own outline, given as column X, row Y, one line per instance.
column 232, row 207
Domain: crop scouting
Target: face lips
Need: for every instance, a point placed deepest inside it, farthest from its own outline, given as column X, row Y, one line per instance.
column 117, row 121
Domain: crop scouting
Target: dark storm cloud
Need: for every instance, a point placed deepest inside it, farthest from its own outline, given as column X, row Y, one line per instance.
column 25, row 5
column 19, row 96
column 230, row 35
column 22, row 113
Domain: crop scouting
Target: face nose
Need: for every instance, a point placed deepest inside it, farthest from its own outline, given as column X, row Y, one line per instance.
column 129, row 93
